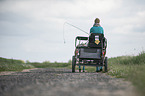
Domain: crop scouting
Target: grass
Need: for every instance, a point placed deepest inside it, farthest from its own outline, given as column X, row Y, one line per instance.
column 19, row 65
column 132, row 68
column 51, row 65
column 13, row 65
column 90, row 69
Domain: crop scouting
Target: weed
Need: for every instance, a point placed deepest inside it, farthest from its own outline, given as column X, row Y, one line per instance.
column 131, row 68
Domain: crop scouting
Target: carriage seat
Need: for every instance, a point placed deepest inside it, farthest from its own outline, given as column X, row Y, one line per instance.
column 97, row 40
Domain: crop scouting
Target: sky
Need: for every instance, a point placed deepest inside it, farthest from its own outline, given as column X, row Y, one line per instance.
column 34, row 29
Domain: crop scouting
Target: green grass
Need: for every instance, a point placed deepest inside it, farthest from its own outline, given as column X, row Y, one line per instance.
column 13, row 65
column 132, row 68
column 51, row 65
column 90, row 69
column 19, row 65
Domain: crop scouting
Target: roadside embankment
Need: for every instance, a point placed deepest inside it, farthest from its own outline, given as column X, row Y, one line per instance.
column 132, row 68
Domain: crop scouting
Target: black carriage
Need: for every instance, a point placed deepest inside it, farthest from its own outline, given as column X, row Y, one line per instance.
column 90, row 51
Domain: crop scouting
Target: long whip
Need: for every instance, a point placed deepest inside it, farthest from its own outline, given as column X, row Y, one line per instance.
column 74, row 27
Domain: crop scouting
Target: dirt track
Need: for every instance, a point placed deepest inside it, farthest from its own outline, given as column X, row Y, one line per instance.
column 61, row 82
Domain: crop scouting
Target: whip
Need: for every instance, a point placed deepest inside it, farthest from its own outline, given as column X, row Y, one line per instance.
column 74, row 27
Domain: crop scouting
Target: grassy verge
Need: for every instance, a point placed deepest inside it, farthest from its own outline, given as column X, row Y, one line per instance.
column 51, row 65
column 132, row 68
column 19, row 65
column 13, row 65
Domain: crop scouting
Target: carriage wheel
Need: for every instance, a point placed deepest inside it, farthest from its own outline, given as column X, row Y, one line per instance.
column 106, row 64
column 73, row 64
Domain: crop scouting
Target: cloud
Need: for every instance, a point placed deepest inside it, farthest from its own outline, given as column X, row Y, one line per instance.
column 73, row 9
column 38, row 26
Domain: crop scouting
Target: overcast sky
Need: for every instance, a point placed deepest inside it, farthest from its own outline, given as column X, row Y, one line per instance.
column 33, row 29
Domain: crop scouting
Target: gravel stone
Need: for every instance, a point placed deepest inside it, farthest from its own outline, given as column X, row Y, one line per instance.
column 62, row 82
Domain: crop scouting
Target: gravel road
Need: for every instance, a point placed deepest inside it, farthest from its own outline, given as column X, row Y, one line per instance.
column 61, row 82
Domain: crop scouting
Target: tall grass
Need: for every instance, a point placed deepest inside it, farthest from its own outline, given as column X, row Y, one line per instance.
column 19, row 65
column 13, row 65
column 131, row 68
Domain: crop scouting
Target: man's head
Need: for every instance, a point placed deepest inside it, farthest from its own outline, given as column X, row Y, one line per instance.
column 97, row 20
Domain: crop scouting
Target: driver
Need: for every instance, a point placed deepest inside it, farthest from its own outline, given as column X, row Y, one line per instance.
column 96, row 27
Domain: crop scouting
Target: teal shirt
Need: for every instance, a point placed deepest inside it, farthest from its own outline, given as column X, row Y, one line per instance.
column 97, row 29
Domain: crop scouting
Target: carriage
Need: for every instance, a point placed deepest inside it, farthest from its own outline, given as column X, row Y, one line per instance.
column 90, row 51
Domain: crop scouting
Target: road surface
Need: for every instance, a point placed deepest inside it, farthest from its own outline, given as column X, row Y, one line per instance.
column 61, row 82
